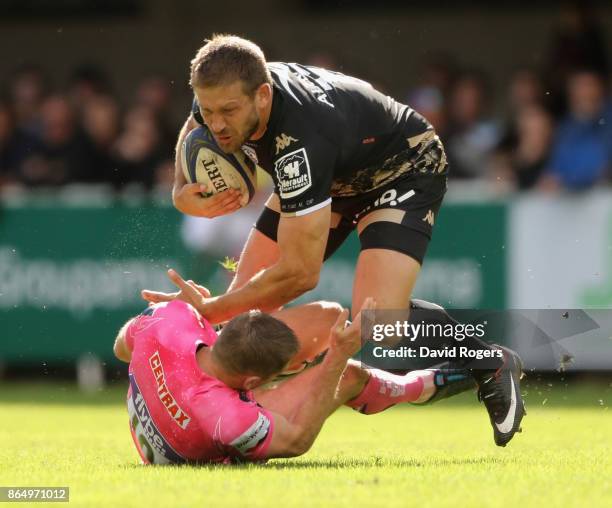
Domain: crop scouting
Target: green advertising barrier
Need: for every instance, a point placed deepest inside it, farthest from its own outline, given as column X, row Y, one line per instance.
column 70, row 276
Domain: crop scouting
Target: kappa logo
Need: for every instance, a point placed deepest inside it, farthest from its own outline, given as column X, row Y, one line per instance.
column 283, row 141
column 293, row 173
column 429, row 218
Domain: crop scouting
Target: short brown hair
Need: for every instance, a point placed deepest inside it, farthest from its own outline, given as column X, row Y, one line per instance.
column 255, row 343
column 225, row 59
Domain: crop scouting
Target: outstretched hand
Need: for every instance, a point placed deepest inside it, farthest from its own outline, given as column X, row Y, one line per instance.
column 345, row 341
column 189, row 292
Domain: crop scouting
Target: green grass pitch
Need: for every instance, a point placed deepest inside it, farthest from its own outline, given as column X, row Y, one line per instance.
column 443, row 455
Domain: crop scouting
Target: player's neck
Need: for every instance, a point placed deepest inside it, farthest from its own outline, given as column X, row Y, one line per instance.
column 207, row 364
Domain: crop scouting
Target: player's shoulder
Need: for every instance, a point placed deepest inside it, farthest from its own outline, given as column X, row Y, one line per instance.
column 299, row 119
column 174, row 307
column 300, row 87
column 231, row 416
column 215, row 399
column 174, row 314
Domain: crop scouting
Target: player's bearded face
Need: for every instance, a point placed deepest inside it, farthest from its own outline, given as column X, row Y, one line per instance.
column 230, row 114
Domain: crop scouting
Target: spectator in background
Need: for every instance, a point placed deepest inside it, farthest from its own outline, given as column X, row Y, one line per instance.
column 520, row 161
column 526, row 89
column 138, row 153
column 429, row 102
column 430, row 97
column 88, row 82
column 27, row 91
column 521, row 156
column 578, row 43
column 471, row 136
column 101, row 122
column 15, row 146
column 59, row 157
column 582, row 149
column 155, row 94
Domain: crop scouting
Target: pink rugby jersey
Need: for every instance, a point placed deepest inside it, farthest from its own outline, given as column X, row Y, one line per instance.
column 177, row 412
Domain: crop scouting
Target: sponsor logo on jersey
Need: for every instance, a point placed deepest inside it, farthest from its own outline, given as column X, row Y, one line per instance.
column 283, row 141
column 293, row 173
column 178, row 415
column 429, row 218
column 150, row 440
column 254, row 435
column 142, row 322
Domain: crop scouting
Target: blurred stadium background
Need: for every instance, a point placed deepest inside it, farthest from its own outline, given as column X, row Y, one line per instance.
column 92, row 94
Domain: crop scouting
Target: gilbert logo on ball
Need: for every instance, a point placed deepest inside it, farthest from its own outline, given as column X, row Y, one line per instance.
column 204, row 162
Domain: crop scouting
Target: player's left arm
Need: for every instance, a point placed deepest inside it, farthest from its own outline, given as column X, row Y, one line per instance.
column 303, row 179
column 123, row 347
column 301, row 241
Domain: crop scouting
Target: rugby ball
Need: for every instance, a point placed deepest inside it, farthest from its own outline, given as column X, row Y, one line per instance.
column 204, row 162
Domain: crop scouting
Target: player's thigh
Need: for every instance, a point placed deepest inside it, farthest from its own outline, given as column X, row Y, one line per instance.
column 311, row 324
column 385, row 275
column 394, row 236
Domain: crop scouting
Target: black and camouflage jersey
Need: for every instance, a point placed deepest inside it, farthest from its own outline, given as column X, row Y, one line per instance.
column 330, row 136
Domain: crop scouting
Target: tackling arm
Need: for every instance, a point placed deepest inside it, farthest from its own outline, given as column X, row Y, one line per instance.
column 294, row 437
column 301, row 242
column 296, row 428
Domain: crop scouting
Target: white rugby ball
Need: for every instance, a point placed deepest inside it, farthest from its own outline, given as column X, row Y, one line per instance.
column 204, row 162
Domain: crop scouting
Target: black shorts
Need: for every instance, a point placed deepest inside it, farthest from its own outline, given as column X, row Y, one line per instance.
column 406, row 210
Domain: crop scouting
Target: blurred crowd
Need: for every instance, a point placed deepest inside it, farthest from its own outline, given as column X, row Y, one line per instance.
column 82, row 134
column 552, row 127
column 549, row 127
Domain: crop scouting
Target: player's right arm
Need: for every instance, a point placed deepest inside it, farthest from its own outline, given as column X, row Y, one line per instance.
column 187, row 197
column 123, row 348
column 293, row 435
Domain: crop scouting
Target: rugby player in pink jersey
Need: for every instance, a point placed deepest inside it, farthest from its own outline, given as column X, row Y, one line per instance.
column 198, row 397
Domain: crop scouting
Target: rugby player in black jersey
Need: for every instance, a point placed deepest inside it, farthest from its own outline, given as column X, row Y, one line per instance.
column 342, row 156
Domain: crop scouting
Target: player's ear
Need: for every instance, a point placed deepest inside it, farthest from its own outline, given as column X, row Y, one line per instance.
column 263, row 95
column 251, row 382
